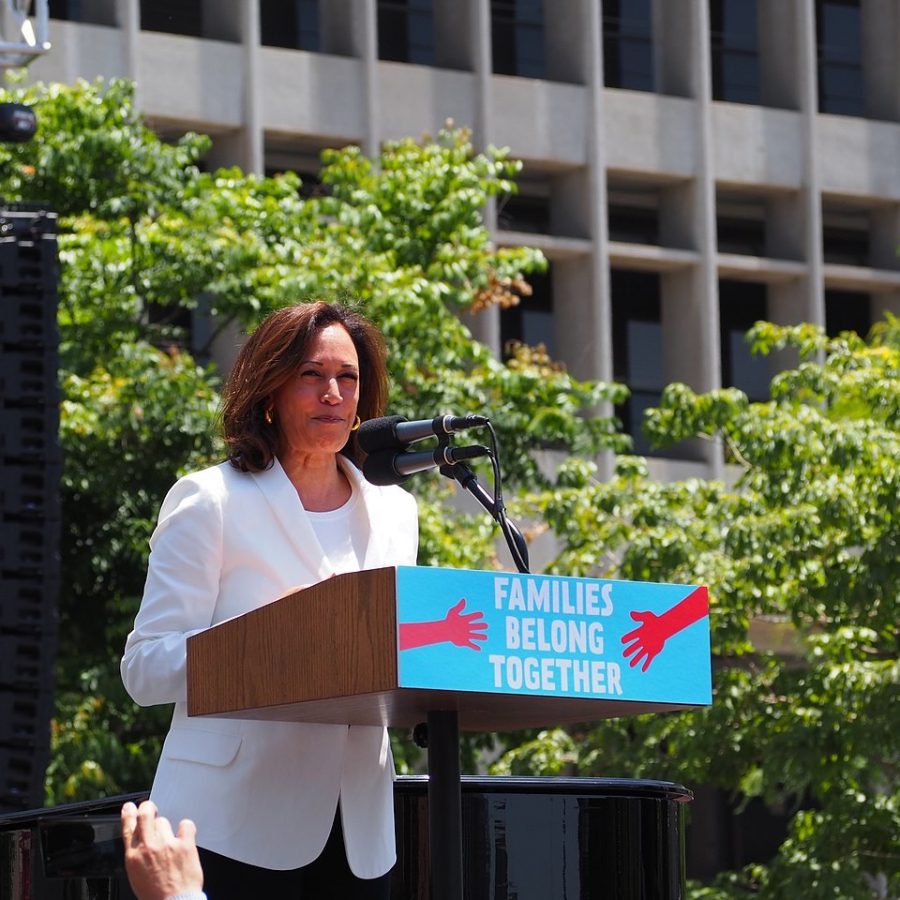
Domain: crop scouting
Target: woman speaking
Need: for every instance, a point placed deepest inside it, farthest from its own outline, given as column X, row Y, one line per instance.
column 282, row 809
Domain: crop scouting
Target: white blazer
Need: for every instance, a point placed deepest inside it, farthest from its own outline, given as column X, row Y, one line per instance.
column 264, row 793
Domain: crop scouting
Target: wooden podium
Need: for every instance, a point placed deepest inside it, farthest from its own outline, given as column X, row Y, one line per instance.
column 484, row 651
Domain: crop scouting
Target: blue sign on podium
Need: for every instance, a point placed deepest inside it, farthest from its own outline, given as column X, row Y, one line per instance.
column 553, row 636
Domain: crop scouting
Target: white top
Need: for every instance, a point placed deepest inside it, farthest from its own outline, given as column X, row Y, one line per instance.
column 343, row 534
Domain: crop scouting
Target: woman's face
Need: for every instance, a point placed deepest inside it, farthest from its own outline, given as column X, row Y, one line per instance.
column 316, row 408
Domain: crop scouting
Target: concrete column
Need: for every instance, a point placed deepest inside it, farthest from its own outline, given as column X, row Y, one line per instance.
column 245, row 146
column 884, row 237
column 454, row 27
column 690, row 297
column 350, row 28
column 599, row 354
column 567, row 45
column 223, row 20
column 128, row 15
column 599, row 363
column 881, row 67
column 679, row 47
column 778, row 38
column 368, row 40
column 485, row 326
column 811, row 197
column 788, row 301
column 253, row 138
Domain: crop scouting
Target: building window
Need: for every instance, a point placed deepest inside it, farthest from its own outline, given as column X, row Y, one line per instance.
column 293, row 24
column 633, row 214
column 845, row 237
column 840, row 57
column 406, row 31
column 79, row 11
column 517, row 37
column 628, row 44
column 637, row 348
column 528, row 210
column 69, row 10
column 741, row 304
column 847, row 311
column 173, row 16
column 531, row 321
column 741, row 225
column 735, row 50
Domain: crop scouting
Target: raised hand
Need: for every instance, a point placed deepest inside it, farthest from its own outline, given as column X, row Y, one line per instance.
column 159, row 863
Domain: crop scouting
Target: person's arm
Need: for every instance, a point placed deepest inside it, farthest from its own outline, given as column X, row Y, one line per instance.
column 179, row 595
column 160, row 865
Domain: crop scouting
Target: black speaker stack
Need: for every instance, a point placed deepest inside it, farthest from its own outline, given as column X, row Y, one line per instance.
column 31, row 461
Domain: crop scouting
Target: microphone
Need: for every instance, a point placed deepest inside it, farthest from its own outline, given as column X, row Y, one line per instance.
column 395, row 432
column 395, row 466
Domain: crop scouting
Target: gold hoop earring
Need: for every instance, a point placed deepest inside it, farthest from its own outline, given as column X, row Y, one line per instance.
column 356, row 424
column 268, row 416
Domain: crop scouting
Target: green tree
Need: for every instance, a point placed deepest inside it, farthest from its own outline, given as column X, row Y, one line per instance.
column 807, row 537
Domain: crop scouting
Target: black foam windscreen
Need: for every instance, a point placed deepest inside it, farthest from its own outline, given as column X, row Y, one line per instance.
column 379, row 434
column 379, row 469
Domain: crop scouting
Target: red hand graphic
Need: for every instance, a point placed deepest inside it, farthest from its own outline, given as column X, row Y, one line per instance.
column 457, row 628
column 650, row 637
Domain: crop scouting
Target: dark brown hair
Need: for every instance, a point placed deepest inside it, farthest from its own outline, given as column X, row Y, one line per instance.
column 271, row 356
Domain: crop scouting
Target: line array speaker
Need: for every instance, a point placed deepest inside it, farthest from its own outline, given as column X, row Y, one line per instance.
column 30, row 469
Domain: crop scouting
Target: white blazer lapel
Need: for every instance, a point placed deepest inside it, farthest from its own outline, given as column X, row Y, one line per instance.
column 378, row 515
column 288, row 511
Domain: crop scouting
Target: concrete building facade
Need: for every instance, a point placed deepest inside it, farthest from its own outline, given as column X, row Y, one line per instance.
column 691, row 166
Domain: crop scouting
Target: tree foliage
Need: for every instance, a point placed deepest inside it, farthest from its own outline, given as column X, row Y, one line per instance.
column 804, row 540
column 807, row 540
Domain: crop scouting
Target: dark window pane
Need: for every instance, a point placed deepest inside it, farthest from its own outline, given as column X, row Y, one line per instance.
column 173, row 16
column 746, row 236
column 739, row 23
column 636, row 64
column 65, row 9
column 841, row 88
column 741, row 304
column 406, row 31
column 290, row 23
column 740, row 78
column 637, row 348
column 517, row 37
column 628, row 44
column 847, row 311
column 523, row 213
column 735, row 51
column 633, row 224
column 841, row 38
column 531, row 322
column 845, row 246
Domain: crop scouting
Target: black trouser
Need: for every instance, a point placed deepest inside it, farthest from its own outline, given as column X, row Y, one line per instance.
column 324, row 878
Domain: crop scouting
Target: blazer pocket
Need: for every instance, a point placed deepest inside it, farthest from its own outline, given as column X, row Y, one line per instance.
column 214, row 748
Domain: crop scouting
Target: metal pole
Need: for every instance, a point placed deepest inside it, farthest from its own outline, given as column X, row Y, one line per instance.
column 444, row 806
